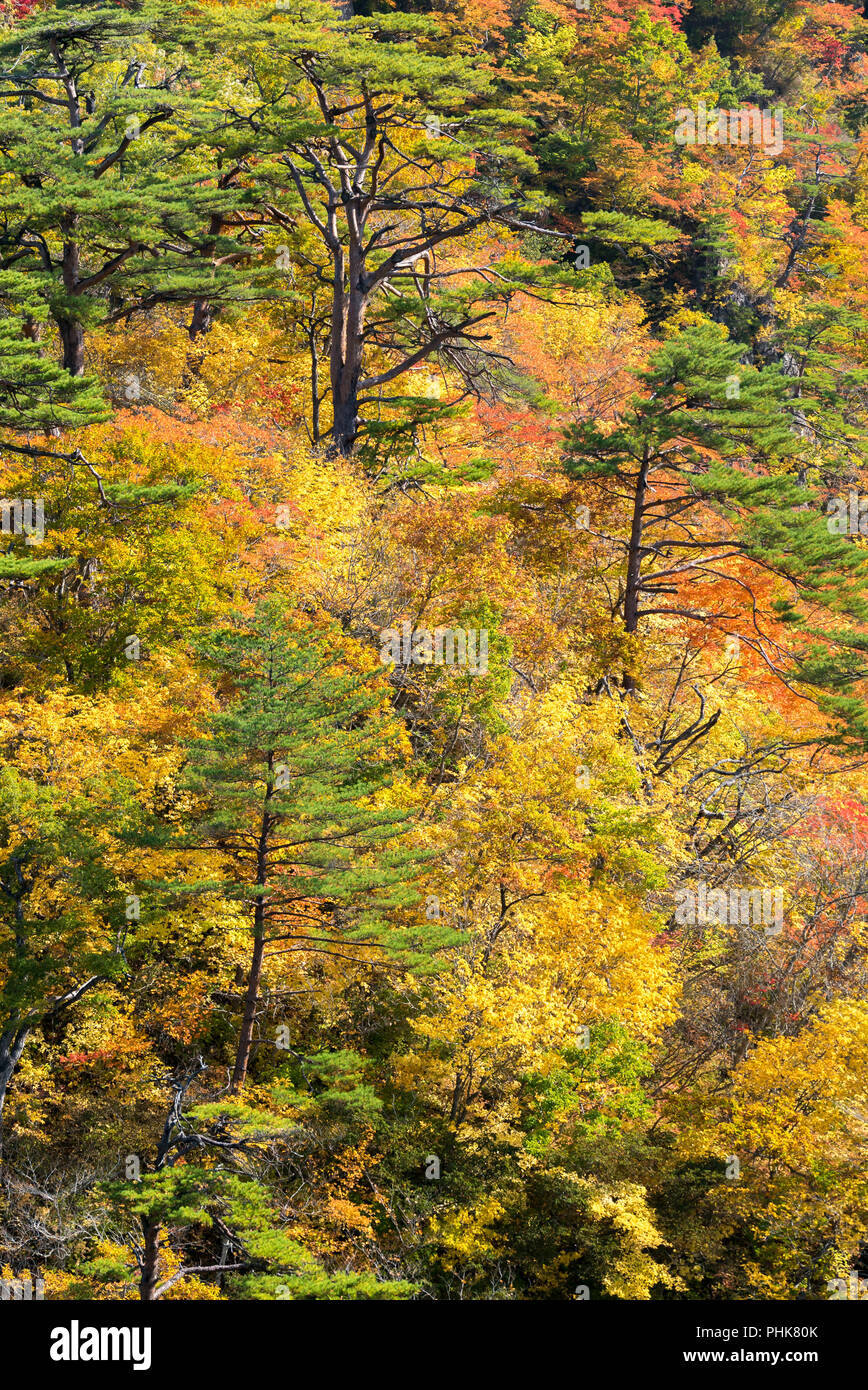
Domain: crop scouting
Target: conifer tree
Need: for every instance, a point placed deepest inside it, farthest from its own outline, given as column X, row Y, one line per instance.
column 385, row 143
column 110, row 202
column 200, row 1177
column 36, row 393
column 706, row 454
column 288, row 780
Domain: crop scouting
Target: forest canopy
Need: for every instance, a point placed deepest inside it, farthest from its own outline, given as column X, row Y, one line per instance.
column 434, row 649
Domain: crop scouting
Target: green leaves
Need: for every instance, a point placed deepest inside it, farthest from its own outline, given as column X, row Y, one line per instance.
column 111, row 201
column 290, row 786
column 711, row 440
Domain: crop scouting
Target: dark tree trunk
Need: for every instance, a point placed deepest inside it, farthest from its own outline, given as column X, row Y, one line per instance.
column 202, row 320
column 634, row 554
column 349, row 305
column 634, row 564
column 346, row 424
column 150, row 1260
column 71, row 330
column 242, row 1057
column 11, row 1047
column 72, row 338
column 314, row 378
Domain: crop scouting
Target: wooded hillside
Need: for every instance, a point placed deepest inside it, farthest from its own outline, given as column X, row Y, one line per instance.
column 434, row 634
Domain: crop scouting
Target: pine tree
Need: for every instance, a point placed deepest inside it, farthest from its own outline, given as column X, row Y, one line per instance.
column 36, row 393
column 111, row 204
column 706, row 454
column 288, row 781
column 378, row 148
column 200, row 1177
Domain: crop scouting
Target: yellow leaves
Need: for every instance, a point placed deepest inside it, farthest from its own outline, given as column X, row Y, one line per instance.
column 30, row 1108
column 142, row 365
column 347, row 1216
column 796, row 1119
column 63, row 739
column 113, row 1256
column 623, row 1208
column 549, row 946
column 346, row 1220
column 552, row 836
column 603, row 947
column 465, row 1236
column 322, row 516
column 580, row 350
column 160, row 366
column 804, row 1098
column 186, row 1012
column 607, row 1228
column 576, row 961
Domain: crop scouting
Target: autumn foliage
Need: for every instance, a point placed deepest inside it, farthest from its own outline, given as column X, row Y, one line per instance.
column 340, row 965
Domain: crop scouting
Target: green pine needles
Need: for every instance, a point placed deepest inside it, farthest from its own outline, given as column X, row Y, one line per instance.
column 290, row 788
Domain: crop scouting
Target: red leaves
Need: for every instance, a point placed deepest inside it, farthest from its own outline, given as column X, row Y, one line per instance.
column 86, row 1059
column 22, row 8
column 842, row 822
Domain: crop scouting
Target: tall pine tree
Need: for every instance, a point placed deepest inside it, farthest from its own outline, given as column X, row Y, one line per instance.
column 111, row 202
column 705, row 454
column 288, row 783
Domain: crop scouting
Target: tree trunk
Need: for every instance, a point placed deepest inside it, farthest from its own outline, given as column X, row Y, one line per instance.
column 11, row 1047
column 634, row 562
column 71, row 330
column 314, row 377
column 150, row 1260
column 347, row 346
column 72, row 338
column 202, row 320
column 634, row 554
column 346, row 423
column 242, row 1057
